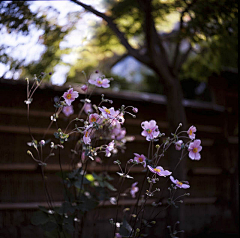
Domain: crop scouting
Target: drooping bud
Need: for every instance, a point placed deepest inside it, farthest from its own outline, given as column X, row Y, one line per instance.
column 135, row 110
column 84, row 88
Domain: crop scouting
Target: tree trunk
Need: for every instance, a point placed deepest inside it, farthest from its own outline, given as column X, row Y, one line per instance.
column 175, row 115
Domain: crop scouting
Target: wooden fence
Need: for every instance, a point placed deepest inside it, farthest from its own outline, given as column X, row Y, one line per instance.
column 212, row 206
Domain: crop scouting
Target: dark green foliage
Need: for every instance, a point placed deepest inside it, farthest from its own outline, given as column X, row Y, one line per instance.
column 40, row 218
column 17, row 18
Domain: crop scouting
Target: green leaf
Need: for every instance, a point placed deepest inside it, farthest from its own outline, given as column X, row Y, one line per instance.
column 87, row 204
column 49, row 226
column 125, row 229
column 109, row 186
column 39, row 218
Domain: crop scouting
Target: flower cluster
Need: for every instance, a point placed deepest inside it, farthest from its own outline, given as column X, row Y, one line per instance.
column 98, row 136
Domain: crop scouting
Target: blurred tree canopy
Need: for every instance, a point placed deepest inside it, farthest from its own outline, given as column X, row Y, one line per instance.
column 17, row 20
column 208, row 28
column 202, row 41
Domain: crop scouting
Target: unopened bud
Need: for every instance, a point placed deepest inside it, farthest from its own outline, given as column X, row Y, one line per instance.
column 84, row 88
column 42, row 142
column 135, row 110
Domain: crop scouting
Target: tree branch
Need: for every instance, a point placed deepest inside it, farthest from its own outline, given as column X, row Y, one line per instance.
column 133, row 52
column 177, row 48
column 153, row 39
column 183, row 58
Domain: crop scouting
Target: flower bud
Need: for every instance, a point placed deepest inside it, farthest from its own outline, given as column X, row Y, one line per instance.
column 135, row 110
column 42, row 142
column 84, row 88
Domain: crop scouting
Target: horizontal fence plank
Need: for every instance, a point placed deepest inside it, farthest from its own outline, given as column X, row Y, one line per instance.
column 127, row 202
column 129, row 121
column 111, row 168
column 41, row 131
column 99, row 168
column 206, row 171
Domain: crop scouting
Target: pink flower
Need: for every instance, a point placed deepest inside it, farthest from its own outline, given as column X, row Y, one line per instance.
column 117, row 119
column 134, row 189
column 86, row 138
column 118, row 133
column 109, row 148
column 107, row 113
column 179, row 184
column 88, row 108
column 140, row 159
column 99, row 82
column 194, row 149
column 68, row 110
column 159, row 171
column 178, row 145
column 84, row 88
column 150, row 130
column 95, row 118
column 70, row 96
column 191, row 131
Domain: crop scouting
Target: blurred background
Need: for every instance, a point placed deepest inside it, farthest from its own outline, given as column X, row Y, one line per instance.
column 158, row 52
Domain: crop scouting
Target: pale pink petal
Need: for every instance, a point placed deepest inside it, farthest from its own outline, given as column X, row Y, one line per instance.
column 105, row 81
column 199, row 148
column 172, row 179
column 185, row 186
column 152, row 123
column 144, row 133
column 91, row 81
column 197, row 156
column 191, row 155
column 197, row 143
column 151, row 169
column 105, row 85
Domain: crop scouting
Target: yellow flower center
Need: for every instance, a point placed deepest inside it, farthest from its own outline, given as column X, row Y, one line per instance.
column 149, row 131
column 195, row 150
column 190, row 132
column 140, row 159
column 93, row 119
column 69, row 96
column 107, row 111
column 180, row 183
column 157, row 170
column 86, row 134
column 99, row 82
